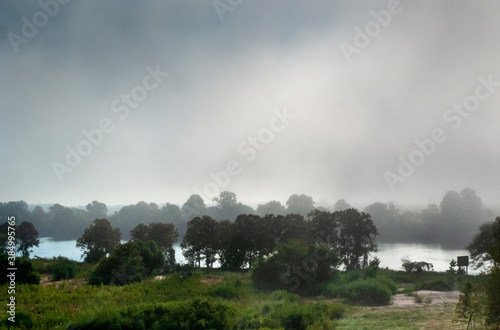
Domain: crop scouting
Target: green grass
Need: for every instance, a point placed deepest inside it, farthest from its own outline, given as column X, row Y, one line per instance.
column 233, row 297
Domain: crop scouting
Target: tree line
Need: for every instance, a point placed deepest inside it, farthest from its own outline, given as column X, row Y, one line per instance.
column 452, row 223
column 350, row 234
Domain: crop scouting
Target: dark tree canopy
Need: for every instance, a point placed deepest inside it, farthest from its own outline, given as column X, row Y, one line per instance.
column 128, row 263
column 480, row 245
column 98, row 240
column 27, row 236
column 200, row 241
column 357, row 238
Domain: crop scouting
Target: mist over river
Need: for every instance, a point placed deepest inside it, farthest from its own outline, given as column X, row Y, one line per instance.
column 390, row 254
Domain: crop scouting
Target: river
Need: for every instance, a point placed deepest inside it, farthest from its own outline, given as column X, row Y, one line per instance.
column 390, row 254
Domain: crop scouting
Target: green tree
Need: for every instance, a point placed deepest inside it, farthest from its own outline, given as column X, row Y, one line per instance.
column 357, row 238
column 324, row 227
column 27, row 236
column 296, row 266
column 165, row 235
column 98, row 240
column 480, row 244
column 493, row 281
column 200, row 241
column 128, row 263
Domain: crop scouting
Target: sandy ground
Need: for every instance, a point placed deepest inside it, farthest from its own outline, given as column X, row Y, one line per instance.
column 428, row 298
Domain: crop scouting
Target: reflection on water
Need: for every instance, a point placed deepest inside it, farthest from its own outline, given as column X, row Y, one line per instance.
column 390, row 254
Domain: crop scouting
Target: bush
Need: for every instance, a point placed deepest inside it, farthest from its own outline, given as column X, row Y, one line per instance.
column 24, row 274
column 296, row 266
column 199, row 313
column 229, row 290
column 297, row 316
column 364, row 291
column 62, row 269
column 436, row 284
column 128, row 263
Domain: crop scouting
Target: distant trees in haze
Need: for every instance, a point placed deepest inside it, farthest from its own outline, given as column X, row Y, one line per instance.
column 451, row 223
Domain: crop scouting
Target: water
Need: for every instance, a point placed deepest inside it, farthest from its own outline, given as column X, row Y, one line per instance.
column 390, row 255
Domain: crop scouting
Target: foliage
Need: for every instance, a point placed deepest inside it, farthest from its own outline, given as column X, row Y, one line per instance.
column 416, row 266
column 198, row 313
column 300, row 204
column 356, row 240
column 469, row 306
column 296, row 266
column 165, row 235
column 199, row 243
column 98, row 240
column 360, row 288
column 24, row 273
column 62, row 268
column 26, row 236
column 480, row 244
column 493, row 281
column 128, row 263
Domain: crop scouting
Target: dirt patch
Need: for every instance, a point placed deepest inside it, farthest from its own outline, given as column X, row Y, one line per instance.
column 211, row 280
column 427, row 297
column 46, row 280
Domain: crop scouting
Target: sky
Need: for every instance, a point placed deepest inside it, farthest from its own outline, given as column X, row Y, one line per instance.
column 154, row 101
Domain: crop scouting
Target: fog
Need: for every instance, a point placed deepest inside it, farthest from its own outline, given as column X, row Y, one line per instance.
column 284, row 97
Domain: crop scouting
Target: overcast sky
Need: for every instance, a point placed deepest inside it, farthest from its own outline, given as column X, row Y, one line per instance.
column 333, row 111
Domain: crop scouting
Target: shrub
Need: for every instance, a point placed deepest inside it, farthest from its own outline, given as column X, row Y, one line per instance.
column 296, row 266
column 62, row 268
column 297, row 316
column 128, row 263
column 24, row 274
column 199, row 313
column 364, row 291
column 229, row 290
column 436, row 284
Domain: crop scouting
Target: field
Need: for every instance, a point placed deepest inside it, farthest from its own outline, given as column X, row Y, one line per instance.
column 216, row 299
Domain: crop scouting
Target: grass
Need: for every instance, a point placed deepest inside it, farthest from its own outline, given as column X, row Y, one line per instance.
column 237, row 302
column 425, row 317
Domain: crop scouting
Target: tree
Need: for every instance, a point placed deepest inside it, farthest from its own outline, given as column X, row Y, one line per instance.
column 128, row 263
column 357, row 235
column 324, row 227
column 173, row 214
column 27, row 236
column 228, row 208
column 341, row 205
column 493, row 280
column 165, row 235
column 200, row 241
column 272, row 207
column 480, row 244
column 301, row 204
column 193, row 207
column 296, row 266
column 97, row 210
column 98, row 240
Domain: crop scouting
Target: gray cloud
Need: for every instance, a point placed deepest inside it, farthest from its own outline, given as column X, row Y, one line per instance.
column 225, row 78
